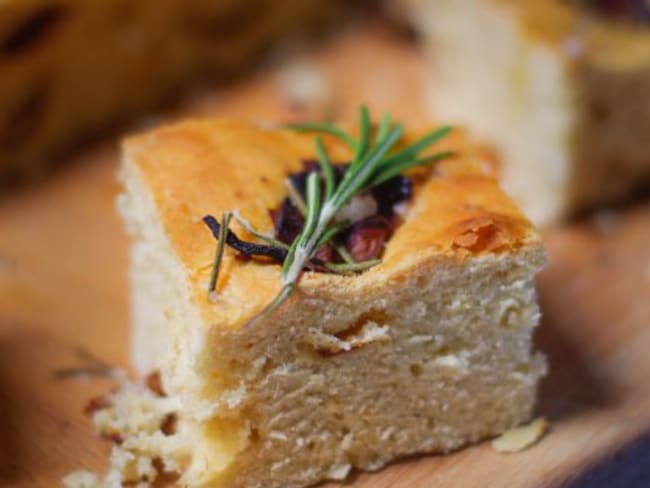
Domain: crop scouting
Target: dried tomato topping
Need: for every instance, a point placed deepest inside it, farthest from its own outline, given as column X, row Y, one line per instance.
column 366, row 239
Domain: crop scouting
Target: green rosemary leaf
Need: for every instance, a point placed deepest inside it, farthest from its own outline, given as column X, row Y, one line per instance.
column 352, row 267
column 364, row 133
column 218, row 256
column 326, row 168
column 384, row 127
column 260, row 235
column 421, row 144
column 303, row 246
column 313, row 204
column 343, row 252
column 318, row 218
column 295, row 197
column 358, row 178
column 327, row 129
column 365, row 127
column 282, row 297
column 384, row 174
column 290, row 257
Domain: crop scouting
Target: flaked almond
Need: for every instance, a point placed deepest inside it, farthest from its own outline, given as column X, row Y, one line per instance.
column 520, row 438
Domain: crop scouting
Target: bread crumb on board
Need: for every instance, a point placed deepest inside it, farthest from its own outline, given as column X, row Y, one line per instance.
column 520, row 438
column 81, row 479
column 141, row 421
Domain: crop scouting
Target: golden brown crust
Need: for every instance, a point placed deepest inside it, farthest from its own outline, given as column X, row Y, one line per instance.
column 208, row 167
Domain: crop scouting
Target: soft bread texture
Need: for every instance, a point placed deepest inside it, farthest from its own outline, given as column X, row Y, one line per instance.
column 564, row 94
column 426, row 352
column 71, row 67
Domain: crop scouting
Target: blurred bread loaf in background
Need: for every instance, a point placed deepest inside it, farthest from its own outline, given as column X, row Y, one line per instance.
column 69, row 68
column 562, row 88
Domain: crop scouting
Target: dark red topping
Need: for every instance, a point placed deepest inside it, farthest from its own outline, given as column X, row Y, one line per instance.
column 288, row 222
column 299, row 179
column 366, row 239
column 327, row 254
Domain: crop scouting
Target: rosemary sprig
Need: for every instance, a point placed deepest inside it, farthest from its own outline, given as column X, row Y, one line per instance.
column 371, row 165
column 375, row 161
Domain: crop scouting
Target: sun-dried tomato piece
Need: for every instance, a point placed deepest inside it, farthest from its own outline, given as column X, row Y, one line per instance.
column 366, row 239
column 326, row 254
column 288, row 222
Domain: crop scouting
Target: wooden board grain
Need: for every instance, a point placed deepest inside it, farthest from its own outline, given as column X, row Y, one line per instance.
column 63, row 290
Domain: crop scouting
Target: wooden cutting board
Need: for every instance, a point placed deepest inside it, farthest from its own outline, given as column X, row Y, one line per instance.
column 63, row 295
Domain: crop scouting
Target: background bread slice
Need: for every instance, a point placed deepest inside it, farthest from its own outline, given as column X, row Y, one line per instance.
column 71, row 68
column 562, row 92
column 424, row 353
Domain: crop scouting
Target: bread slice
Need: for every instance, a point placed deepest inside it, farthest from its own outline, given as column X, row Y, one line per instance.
column 426, row 352
column 70, row 67
column 563, row 92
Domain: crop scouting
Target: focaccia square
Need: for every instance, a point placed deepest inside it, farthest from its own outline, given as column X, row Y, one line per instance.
column 424, row 353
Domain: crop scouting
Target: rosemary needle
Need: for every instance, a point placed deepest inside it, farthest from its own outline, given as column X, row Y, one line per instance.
column 260, row 235
column 295, row 197
column 345, row 268
column 343, row 252
column 218, row 256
